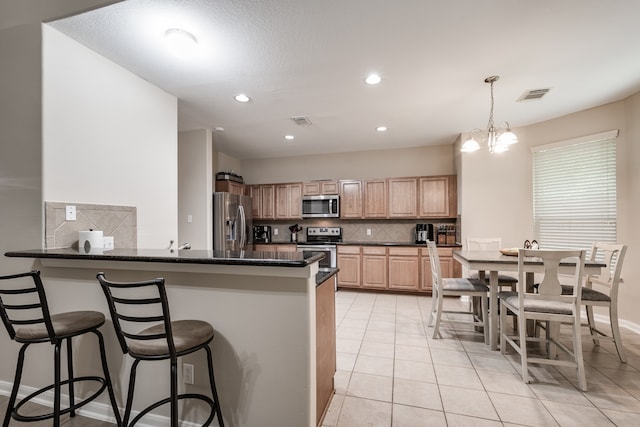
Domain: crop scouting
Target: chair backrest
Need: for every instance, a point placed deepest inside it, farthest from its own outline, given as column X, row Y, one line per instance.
column 134, row 303
column 550, row 287
column 612, row 256
column 24, row 303
column 434, row 259
column 484, row 243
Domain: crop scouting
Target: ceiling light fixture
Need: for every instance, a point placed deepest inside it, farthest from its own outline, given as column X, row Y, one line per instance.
column 180, row 42
column 373, row 79
column 289, row 137
column 498, row 140
column 381, row 128
column 241, row 97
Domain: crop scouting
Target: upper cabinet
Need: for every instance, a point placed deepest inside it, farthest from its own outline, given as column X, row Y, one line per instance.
column 288, row 201
column 351, row 198
column 318, row 188
column 375, row 198
column 438, row 197
column 402, row 197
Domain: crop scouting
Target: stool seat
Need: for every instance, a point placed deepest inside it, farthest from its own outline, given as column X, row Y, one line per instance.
column 187, row 334
column 64, row 324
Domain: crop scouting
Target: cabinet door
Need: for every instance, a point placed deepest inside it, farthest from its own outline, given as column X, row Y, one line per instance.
column 264, row 248
column 402, row 197
column 404, row 268
column 329, row 187
column 282, row 201
column 311, row 188
column 288, row 201
column 351, row 199
column 374, row 267
column 268, row 201
column 285, row 248
column 349, row 259
column 375, row 198
column 426, row 284
column 255, row 193
column 436, row 198
column 295, row 201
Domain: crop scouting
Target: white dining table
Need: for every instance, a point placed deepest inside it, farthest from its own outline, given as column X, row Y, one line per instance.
column 493, row 262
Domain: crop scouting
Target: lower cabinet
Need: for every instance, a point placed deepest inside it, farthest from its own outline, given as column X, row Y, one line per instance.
column 393, row 268
column 265, row 247
column 325, row 345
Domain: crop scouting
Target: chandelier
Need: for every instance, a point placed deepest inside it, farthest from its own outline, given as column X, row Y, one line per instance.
column 498, row 140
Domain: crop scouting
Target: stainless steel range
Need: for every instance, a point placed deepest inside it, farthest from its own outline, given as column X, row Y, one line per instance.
column 323, row 240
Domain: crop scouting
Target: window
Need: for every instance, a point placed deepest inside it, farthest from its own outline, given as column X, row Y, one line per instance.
column 574, row 192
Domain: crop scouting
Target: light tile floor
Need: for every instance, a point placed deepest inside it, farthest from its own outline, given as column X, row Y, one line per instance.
column 390, row 372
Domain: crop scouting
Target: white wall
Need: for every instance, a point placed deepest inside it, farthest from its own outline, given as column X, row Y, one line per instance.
column 418, row 161
column 109, row 137
column 195, row 189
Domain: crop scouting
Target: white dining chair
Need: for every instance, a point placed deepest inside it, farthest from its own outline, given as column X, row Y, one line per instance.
column 490, row 244
column 454, row 287
column 607, row 282
column 549, row 305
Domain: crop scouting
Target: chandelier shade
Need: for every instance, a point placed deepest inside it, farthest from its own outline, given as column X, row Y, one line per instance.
column 498, row 140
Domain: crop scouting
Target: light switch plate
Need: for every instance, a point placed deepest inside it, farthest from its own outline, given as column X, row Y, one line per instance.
column 70, row 213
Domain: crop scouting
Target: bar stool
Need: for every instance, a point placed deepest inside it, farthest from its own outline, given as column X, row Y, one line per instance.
column 25, row 314
column 164, row 340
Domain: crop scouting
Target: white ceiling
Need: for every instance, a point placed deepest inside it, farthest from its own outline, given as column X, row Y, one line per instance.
column 309, row 58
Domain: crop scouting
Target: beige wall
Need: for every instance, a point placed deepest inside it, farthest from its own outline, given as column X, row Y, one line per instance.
column 496, row 190
column 418, row 161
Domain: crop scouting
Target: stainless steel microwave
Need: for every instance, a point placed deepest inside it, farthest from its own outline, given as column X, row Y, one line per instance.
column 327, row 206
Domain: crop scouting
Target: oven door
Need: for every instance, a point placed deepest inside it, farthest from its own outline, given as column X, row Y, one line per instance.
column 329, row 251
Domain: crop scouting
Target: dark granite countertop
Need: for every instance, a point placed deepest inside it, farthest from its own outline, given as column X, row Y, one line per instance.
column 322, row 276
column 248, row 258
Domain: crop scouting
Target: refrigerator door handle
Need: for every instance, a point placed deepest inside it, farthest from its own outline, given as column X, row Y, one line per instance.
column 243, row 227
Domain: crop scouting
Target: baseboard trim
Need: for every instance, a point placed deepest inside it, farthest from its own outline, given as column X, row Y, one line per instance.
column 95, row 410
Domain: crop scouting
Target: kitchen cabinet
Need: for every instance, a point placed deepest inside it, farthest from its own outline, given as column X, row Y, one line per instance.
column 230, row 187
column 255, row 192
column 448, row 267
column 349, row 262
column 375, row 198
column 404, row 268
column 267, row 205
column 288, row 201
column 351, row 199
column 374, row 267
column 438, row 196
column 318, row 188
column 402, row 197
column 265, row 247
column 325, row 345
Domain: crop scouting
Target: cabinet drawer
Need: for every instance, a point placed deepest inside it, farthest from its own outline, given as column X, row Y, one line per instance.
column 374, row 250
column 348, row 249
column 442, row 252
column 403, row 251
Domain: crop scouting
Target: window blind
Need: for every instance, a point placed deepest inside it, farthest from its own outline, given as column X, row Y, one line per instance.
column 574, row 194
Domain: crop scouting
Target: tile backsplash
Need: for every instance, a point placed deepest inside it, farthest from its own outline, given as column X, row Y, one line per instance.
column 118, row 221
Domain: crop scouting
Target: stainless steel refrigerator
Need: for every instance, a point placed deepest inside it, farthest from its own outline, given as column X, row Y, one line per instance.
column 232, row 222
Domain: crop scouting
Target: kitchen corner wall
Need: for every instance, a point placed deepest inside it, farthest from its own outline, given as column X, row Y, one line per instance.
column 117, row 221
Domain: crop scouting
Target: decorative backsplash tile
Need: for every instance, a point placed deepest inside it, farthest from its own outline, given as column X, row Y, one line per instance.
column 118, row 221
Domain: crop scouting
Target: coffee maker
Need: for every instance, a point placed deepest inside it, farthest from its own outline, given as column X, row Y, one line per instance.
column 261, row 234
column 424, row 232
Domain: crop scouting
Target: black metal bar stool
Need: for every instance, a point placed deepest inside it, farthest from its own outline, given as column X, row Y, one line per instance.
column 164, row 340
column 26, row 316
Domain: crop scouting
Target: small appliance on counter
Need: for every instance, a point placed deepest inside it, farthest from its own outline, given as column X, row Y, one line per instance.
column 424, row 232
column 261, row 234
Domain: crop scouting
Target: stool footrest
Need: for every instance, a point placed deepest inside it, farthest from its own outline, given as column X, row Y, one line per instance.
column 202, row 397
column 28, row 418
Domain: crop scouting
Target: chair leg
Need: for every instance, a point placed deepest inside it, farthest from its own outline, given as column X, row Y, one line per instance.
column 503, row 328
column 436, row 327
column 107, row 377
column 592, row 325
column 615, row 329
column 16, row 386
column 132, row 383
column 174, row 392
column 212, row 383
column 485, row 317
column 577, row 353
column 72, row 402
column 522, row 333
column 56, row 385
column 434, row 298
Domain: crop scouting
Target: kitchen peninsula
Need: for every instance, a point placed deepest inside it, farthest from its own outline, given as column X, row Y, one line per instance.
column 263, row 309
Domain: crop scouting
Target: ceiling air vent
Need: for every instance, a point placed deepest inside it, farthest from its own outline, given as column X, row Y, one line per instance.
column 301, row 120
column 532, row 95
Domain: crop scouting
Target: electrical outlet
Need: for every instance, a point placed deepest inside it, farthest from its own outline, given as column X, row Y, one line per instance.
column 368, row 232
column 70, row 213
column 275, row 231
column 187, row 373
column 189, row 219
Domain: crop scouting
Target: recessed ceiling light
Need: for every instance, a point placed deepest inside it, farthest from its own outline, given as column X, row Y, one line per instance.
column 381, row 128
column 289, row 137
column 180, row 42
column 373, row 79
column 219, row 129
column 241, row 97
